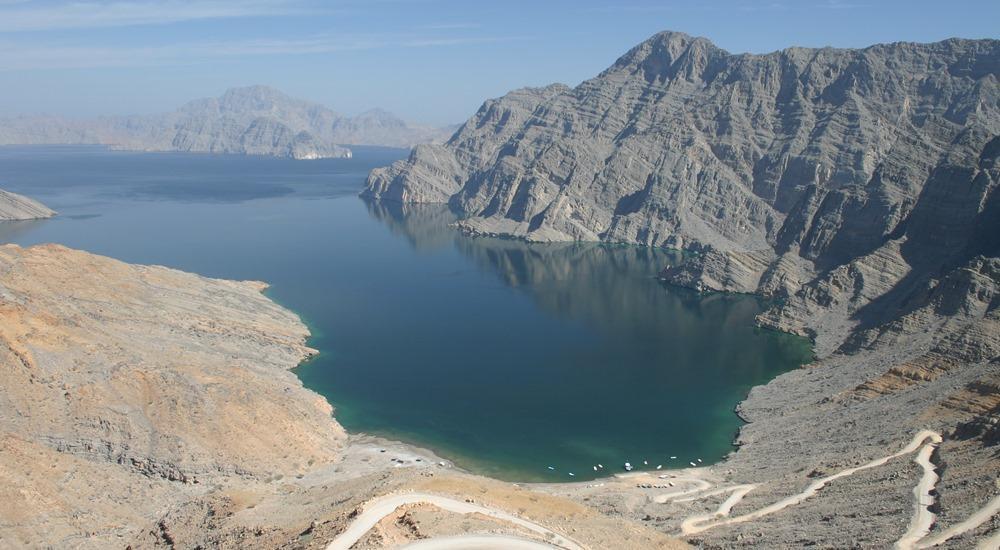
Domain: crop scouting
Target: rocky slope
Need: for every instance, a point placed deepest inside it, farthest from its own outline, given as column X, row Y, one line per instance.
column 145, row 407
column 857, row 187
column 254, row 120
column 18, row 207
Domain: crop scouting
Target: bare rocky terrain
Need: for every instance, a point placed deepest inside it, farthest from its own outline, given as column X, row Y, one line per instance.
column 858, row 188
column 144, row 407
column 255, row 120
column 14, row 207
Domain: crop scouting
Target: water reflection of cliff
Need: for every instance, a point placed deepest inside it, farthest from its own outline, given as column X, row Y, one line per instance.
column 608, row 288
column 425, row 226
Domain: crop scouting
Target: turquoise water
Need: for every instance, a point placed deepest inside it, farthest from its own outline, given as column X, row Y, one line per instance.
column 505, row 357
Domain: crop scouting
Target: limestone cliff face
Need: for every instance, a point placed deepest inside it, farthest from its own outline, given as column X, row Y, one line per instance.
column 815, row 152
column 784, row 171
column 18, row 207
column 254, row 120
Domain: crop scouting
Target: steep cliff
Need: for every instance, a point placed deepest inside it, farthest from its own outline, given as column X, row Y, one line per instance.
column 783, row 171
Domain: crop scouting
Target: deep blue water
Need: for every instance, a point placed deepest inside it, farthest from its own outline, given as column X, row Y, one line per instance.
column 503, row 356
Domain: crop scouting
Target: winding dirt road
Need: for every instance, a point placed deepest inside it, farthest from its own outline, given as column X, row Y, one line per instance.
column 917, row 534
column 923, row 500
column 478, row 542
column 381, row 507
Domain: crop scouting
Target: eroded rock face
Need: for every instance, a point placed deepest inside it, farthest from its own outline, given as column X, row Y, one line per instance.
column 134, row 382
column 63, row 331
column 15, row 207
column 681, row 144
column 828, row 175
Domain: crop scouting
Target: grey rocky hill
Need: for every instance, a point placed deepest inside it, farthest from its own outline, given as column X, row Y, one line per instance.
column 858, row 187
column 254, row 120
column 14, row 207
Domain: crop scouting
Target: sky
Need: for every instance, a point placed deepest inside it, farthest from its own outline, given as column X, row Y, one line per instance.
column 429, row 61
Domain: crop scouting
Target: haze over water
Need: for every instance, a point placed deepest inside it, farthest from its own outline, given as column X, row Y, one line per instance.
column 503, row 356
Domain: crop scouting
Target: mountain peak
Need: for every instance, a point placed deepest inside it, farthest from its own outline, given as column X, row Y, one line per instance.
column 667, row 53
column 258, row 96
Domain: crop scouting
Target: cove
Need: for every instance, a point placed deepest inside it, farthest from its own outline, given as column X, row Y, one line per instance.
column 505, row 357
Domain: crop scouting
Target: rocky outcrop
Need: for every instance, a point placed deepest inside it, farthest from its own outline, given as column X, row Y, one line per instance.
column 18, row 207
column 255, row 120
column 163, row 405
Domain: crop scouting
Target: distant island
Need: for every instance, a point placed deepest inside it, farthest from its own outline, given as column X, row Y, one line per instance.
column 254, row 120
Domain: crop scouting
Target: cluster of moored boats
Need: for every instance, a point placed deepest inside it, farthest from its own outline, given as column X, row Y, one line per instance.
column 628, row 466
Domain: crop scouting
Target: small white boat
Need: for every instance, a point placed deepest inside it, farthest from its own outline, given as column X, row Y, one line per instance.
column 659, row 466
column 572, row 474
column 699, row 461
column 601, row 466
column 673, row 458
column 595, row 468
column 628, row 467
column 645, row 463
column 551, row 468
column 693, row 465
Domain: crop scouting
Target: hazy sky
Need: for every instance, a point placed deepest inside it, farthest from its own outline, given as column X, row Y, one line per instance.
column 430, row 61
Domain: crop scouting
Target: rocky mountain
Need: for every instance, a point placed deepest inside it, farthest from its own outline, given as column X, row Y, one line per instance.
column 857, row 187
column 781, row 170
column 18, row 207
column 254, row 120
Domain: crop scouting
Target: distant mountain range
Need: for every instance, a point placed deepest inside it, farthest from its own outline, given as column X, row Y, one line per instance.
column 254, row 120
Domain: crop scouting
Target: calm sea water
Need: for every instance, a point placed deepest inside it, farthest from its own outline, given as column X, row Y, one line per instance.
column 505, row 357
